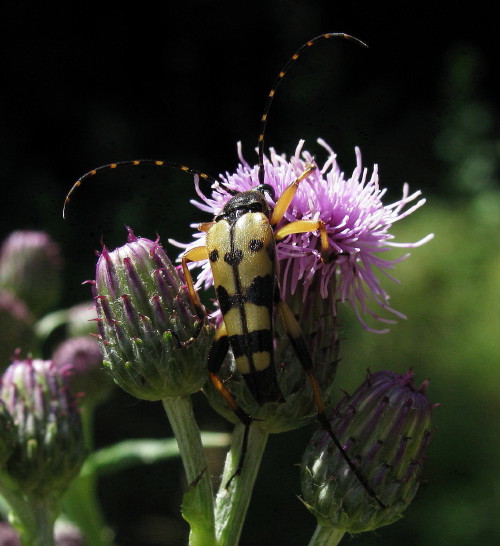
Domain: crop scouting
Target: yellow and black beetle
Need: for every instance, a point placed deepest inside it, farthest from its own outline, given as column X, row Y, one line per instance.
column 240, row 245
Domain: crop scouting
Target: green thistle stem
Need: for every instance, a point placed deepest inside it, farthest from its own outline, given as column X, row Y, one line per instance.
column 80, row 501
column 233, row 500
column 34, row 520
column 180, row 414
column 326, row 536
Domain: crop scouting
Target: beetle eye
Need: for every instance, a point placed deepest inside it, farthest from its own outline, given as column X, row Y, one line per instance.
column 266, row 188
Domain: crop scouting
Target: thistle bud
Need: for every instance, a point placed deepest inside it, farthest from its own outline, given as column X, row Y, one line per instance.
column 16, row 328
column 30, row 265
column 80, row 358
column 144, row 317
column 65, row 534
column 384, row 429
column 48, row 451
column 8, row 535
column 7, row 434
column 81, row 320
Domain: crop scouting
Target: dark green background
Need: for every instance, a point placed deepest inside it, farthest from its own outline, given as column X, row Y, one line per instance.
column 85, row 84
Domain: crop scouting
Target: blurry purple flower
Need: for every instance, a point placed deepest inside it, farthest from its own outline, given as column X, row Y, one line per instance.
column 356, row 220
column 80, row 359
column 16, row 328
column 30, row 264
column 8, row 535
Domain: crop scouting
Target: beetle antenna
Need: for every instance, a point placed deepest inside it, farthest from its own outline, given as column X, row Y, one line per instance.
column 135, row 162
column 270, row 96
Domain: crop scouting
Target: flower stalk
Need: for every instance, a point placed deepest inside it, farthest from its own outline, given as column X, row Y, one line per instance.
column 326, row 536
column 198, row 507
column 235, row 492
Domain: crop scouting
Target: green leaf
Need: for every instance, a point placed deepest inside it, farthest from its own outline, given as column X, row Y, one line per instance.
column 202, row 531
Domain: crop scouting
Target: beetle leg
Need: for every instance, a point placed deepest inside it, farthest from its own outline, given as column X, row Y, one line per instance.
column 193, row 255
column 205, row 226
column 298, row 341
column 286, row 197
column 216, row 355
column 305, row 226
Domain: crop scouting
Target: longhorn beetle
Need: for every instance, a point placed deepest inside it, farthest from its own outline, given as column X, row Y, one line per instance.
column 240, row 245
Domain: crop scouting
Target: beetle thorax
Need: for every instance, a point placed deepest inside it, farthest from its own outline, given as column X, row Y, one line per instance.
column 242, row 203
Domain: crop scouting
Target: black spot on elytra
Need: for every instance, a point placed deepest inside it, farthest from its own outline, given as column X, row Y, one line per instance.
column 224, row 299
column 214, row 255
column 255, row 245
column 261, row 290
column 234, row 257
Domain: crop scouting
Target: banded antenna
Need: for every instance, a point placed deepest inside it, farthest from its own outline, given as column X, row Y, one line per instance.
column 134, row 163
column 279, row 78
column 263, row 124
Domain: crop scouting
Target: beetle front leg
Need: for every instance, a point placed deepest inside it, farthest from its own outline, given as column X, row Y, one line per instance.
column 286, row 197
column 193, row 255
column 306, row 226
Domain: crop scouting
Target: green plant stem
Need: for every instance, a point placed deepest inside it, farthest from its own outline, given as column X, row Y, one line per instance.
column 235, row 492
column 34, row 520
column 326, row 536
column 180, row 414
column 80, row 502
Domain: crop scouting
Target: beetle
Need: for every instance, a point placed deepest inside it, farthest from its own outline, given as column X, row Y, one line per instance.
column 240, row 245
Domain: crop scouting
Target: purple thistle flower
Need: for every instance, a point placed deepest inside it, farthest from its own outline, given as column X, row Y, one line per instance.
column 80, row 360
column 30, row 268
column 356, row 220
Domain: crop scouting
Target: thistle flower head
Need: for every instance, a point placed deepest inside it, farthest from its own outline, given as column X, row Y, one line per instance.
column 30, row 264
column 48, row 450
column 144, row 313
column 384, row 428
column 356, row 220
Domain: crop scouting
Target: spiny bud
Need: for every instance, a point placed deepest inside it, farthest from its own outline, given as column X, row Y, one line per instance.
column 384, row 428
column 48, row 451
column 30, row 265
column 145, row 315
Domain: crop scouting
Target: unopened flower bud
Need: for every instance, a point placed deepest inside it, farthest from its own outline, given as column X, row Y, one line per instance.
column 8, row 535
column 48, row 451
column 65, row 534
column 7, row 434
column 16, row 328
column 80, row 359
column 30, row 265
column 145, row 315
column 81, row 320
column 384, row 428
